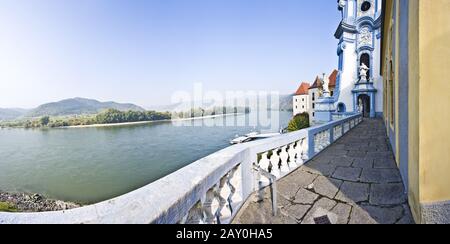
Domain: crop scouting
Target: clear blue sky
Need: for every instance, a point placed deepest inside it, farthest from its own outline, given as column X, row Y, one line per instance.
column 141, row 51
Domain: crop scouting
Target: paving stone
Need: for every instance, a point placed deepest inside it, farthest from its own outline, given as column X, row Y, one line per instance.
column 370, row 189
column 296, row 211
column 326, row 186
column 387, row 194
column 360, row 216
column 335, row 152
column 343, row 213
column 283, row 220
column 383, row 215
column 300, row 178
column 305, row 197
column 324, row 158
column 380, row 176
column 318, row 168
column 281, row 201
column 288, row 189
column 342, row 161
column 385, row 164
column 347, row 173
column 256, row 213
column 363, row 163
column 289, row 186
column 322, row 204
column 356, row 154
column 379, row 155
column 407, row 219
column 351, row 192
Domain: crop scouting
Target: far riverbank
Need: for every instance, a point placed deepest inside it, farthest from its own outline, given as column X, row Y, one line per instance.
column 153, row 121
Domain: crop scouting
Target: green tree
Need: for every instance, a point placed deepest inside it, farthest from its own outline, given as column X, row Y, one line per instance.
column 299, row 122
column 44, row 120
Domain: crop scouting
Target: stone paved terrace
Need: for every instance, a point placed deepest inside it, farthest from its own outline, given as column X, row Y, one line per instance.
column 354, row 181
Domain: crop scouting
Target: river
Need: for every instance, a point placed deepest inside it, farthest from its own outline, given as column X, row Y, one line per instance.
column 89, row 165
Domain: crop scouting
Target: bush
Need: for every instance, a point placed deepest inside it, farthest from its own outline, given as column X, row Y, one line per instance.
column 299, row 122
column 44, row 120
column 7, row 207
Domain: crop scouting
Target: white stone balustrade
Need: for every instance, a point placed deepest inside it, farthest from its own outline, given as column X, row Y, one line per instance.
column 338, row 131
column 208, row 191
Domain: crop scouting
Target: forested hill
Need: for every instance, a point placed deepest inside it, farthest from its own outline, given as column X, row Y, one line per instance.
column 79, row 106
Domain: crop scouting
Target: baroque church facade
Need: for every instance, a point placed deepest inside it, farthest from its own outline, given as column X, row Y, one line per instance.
column 359, row 87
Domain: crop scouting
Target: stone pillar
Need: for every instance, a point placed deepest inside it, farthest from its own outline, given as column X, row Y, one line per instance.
column 324, row 109
column 372, row 106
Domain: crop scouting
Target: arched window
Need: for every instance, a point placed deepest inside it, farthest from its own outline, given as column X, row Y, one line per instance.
column 365, row 58
column 341, row 108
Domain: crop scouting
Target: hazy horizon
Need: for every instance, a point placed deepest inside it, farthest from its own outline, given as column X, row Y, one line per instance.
column 142, row 52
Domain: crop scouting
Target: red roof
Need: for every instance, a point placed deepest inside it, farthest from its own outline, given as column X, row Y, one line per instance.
column 333, row 78
column 303, row 89
column 318, row 82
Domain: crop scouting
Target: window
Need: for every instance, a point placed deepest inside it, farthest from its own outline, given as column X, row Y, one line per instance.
column 314, row 105
column 314, row 114
column 341, row 108
column 303, row 107
column 303, row 100
column 313, row 96
column 366, row 6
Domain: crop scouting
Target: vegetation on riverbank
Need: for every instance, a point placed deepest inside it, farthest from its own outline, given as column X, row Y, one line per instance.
column 114, row 116
column 7, row 207
column 25, row 202
column 299, row 122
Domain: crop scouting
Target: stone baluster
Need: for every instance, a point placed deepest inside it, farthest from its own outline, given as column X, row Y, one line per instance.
column 284, row 157
column 299, row 153
column 224, row 212
column 211, row 206
column 293, row 155
column 328, row 132
column 265, row 165
column 275, row 163
column 236, row 187
column 195, row 215
column 305, row 149
column 316, row 143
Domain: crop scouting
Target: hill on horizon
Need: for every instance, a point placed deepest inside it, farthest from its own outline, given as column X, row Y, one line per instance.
column 11, row 113
column 78, row 106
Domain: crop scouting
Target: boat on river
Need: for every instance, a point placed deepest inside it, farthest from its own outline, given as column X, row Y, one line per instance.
column 251, row 137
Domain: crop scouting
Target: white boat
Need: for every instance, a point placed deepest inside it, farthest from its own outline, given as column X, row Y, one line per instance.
column 241, row 139
column 252, row 136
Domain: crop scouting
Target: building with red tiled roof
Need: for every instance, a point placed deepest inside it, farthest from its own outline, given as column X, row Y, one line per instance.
column 318, row 81
column 303, row 89
column 301, row 99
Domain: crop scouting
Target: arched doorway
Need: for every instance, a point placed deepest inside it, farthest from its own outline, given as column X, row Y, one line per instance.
column 364, row 105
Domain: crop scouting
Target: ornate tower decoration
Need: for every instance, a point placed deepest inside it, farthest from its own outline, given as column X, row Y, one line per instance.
column 359, row 35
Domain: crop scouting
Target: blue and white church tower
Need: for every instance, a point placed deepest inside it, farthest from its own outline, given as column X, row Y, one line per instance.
column 359, row 85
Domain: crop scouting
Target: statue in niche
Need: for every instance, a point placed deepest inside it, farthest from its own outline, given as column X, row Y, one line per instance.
column 363, row 70
column 326, row 85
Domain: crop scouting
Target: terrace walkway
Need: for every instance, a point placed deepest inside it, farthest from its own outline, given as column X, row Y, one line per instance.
column 354, row 181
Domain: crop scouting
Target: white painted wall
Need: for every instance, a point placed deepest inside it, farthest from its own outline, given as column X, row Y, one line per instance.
column 301, row 104
column 348, row 74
